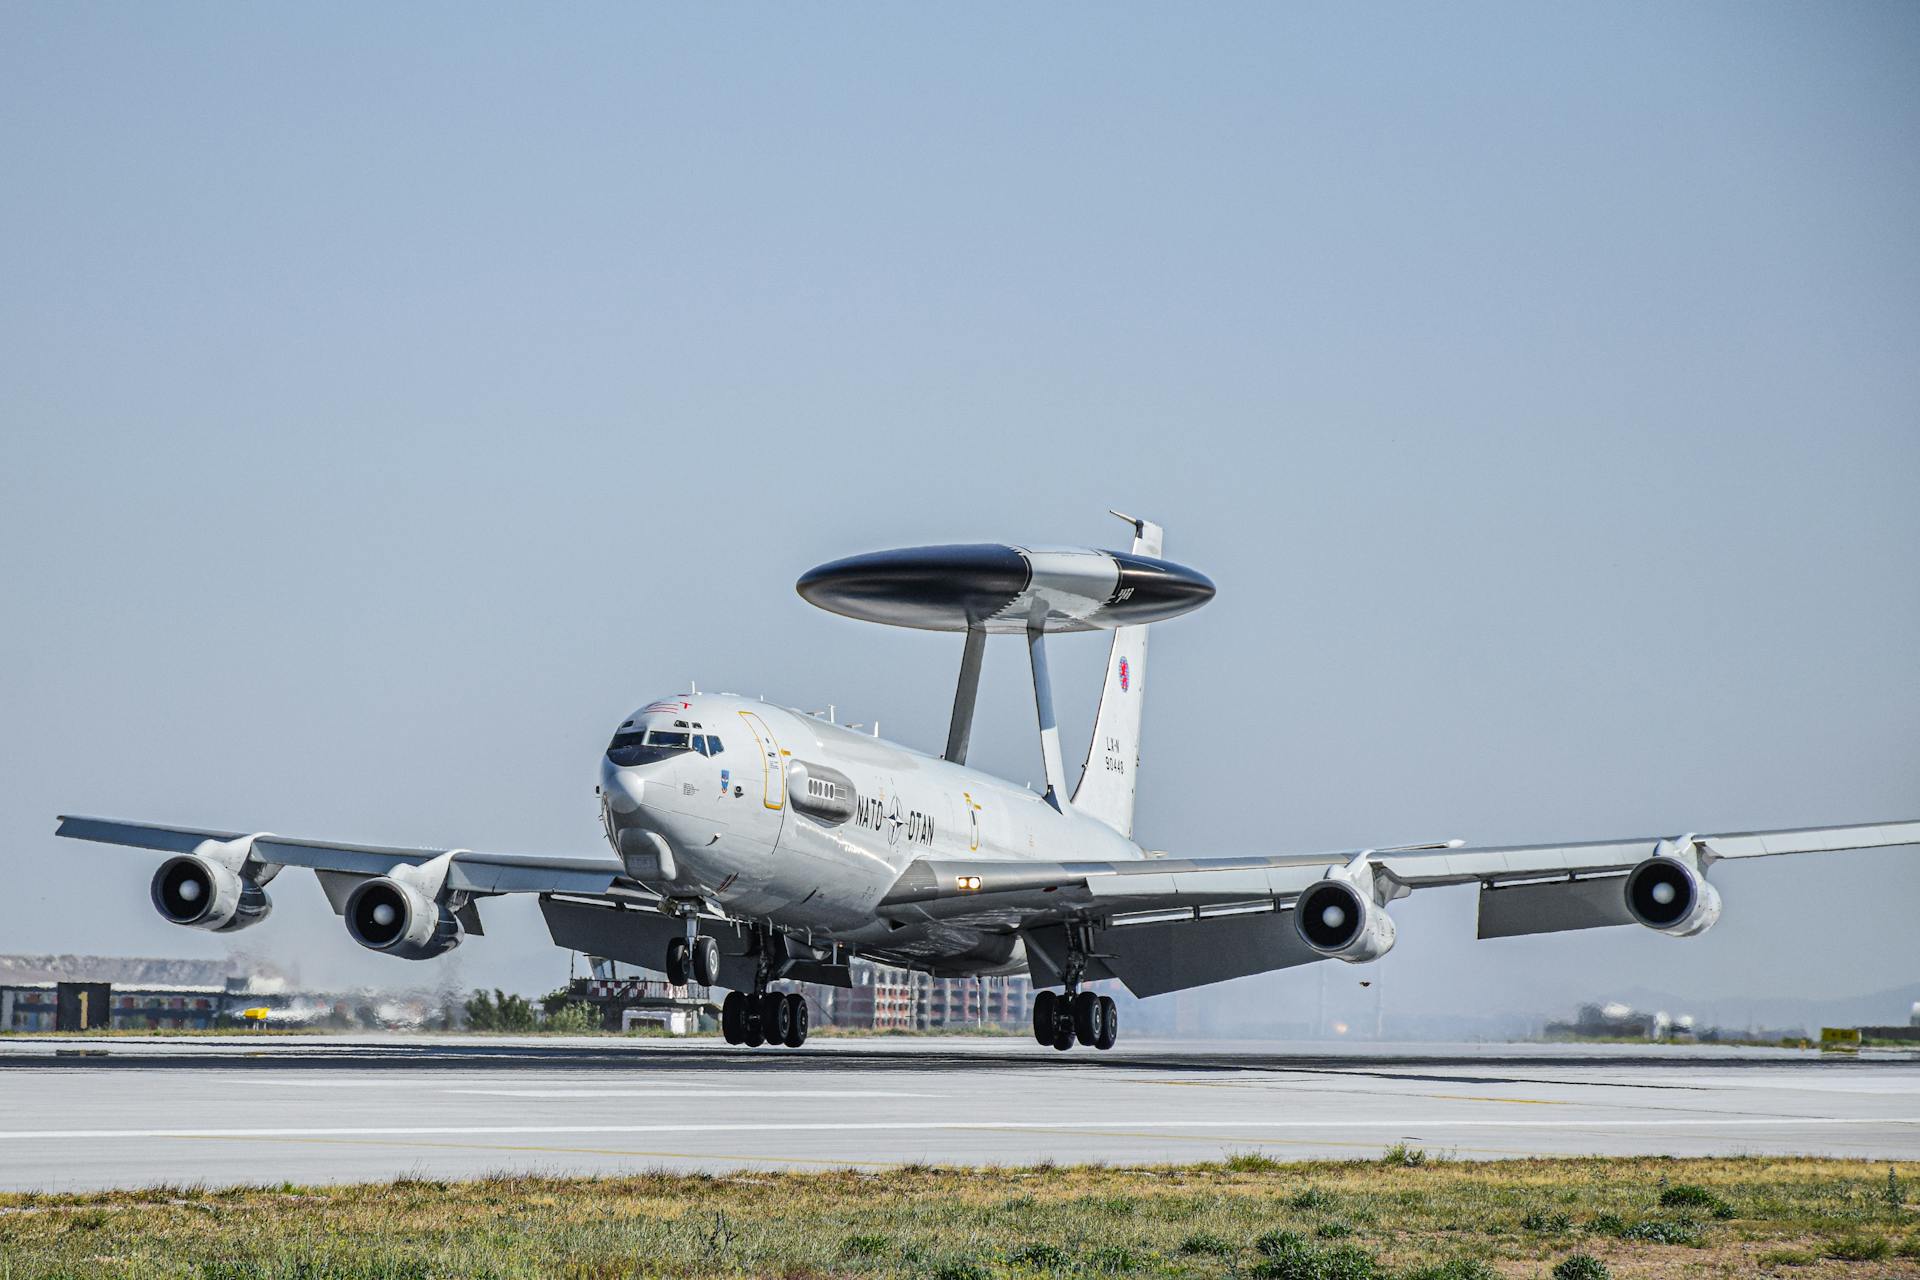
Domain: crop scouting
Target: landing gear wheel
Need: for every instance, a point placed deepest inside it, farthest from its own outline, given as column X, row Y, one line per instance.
column 1086, row 1017
column 677, row 963
column 733, row 1018
column 796, row 1020
column 706, row 961
column 776, row 1017
column 1109, row 1024
column 1043, row 1017
column 752, row 1034
column 1063, row 1034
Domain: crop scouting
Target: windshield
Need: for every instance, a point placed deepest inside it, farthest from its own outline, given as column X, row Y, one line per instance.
column 640, row 746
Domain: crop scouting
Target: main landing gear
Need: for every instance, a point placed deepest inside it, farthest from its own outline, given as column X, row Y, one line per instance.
column 1059, row 1019
column 760, row 1016
column 764, row 1017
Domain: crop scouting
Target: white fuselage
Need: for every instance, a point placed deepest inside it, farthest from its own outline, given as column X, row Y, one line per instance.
column 743, row 833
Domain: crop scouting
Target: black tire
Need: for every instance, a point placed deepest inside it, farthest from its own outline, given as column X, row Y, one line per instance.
column 776, row 1017
column 752, row 1034
column 796, row 1020
column 1043, row 1015
column 1086, row 1017
column 706, row 961
column 677, row 963
column 1063, row 1035
column 733, row 1018
column 1109, row 1024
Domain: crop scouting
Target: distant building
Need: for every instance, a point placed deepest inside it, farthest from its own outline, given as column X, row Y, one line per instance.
column 880, row 999
column 639, row 997
column 1616, row 1021
column 145, row 993
column 888, row 999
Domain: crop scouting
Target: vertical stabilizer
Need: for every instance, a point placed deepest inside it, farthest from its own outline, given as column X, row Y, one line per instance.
column 1113, row 757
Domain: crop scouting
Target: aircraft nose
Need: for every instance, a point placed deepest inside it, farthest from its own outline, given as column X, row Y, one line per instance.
column 624, row 788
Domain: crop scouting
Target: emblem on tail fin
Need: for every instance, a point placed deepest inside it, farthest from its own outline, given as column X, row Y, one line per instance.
column 1123, row 675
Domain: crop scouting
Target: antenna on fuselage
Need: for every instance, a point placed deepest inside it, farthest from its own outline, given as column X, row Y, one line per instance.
column 992, row 588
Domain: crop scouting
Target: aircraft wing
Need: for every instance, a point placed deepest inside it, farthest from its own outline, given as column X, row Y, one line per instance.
column 1181, row 922
column 478, row 874
column 1498, row 865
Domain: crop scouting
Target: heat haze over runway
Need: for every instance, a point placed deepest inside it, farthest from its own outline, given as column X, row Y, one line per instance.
column 332, row 1109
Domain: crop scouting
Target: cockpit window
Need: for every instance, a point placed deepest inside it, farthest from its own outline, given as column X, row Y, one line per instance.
column 706, row 744
column 639, row 746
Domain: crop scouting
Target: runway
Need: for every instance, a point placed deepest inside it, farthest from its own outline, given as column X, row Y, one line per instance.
column 124, row 1112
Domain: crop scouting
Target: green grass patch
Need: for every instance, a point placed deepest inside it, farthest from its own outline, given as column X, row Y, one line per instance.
column 1547, row 1222
column 1788, row 1258
column 1859, row 1246
column 1325, row 1220
column 1581, row 1266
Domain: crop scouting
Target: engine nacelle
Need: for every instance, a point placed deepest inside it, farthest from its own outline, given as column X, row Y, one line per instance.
column 1336, row 919
column 385, row 914
column 203, row 894
column 1668, row 895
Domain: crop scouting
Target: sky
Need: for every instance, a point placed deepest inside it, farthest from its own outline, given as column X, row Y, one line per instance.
column 392, row 399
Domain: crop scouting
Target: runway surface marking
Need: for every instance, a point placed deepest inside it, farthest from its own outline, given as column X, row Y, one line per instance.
column 546, row 1149
column 380, row 1131
column 669, row 1093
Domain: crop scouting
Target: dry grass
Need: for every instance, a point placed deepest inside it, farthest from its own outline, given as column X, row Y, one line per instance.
column 1248, row 1217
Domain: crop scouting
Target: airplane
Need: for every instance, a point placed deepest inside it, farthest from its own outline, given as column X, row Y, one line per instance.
column 755, row 843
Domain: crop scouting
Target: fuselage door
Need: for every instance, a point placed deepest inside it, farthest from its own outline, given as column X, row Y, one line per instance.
column 774, row 777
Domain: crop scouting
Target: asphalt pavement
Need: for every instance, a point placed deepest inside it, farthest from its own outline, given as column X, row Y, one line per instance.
column 126, row 1112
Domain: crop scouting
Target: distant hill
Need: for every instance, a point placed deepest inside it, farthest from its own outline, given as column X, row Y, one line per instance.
column 130, row 971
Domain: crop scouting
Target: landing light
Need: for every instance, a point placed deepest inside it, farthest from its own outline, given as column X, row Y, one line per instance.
column 969, row 883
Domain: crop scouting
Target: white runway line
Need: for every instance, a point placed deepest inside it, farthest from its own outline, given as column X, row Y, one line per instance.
column 502, row 1130
column 668, row 1093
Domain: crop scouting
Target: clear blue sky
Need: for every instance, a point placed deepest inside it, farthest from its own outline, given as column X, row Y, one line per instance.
column 392, row 398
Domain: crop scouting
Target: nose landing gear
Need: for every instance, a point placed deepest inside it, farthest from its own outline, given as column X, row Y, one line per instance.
column 693, row 958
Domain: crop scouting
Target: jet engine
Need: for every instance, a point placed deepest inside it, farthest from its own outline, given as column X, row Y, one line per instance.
column 201, row 893
column 1336, row 919
column 1669, row 895
column 385, row 914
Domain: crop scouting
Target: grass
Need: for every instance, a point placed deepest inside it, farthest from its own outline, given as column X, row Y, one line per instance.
column 1265, row 1220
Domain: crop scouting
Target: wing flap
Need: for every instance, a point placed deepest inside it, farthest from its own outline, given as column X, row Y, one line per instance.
column 1553, row 906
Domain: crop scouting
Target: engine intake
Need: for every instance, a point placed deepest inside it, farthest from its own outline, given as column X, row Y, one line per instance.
column 1667, row 895
column 1337, row 920
column 386, row 915
column 202, row 894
